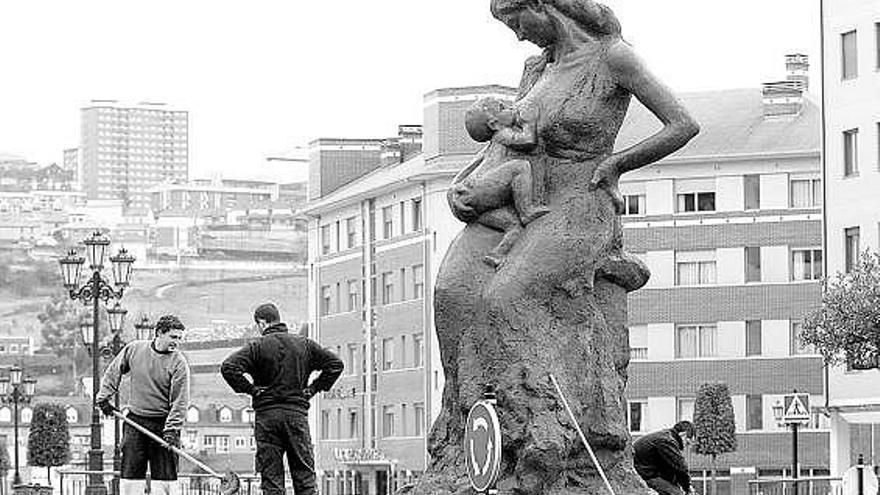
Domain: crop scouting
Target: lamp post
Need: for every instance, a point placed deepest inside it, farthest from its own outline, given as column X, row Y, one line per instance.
column 94, row 291
column 21, row 392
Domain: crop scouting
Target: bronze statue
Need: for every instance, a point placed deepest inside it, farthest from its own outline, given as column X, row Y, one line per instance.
column 557, row 304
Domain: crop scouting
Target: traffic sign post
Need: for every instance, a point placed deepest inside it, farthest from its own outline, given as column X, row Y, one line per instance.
column 796, row 407
column 482, row 445
column 795, row 411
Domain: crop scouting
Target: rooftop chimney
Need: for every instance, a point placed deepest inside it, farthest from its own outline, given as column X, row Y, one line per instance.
column 782, row 98
column 797, row 66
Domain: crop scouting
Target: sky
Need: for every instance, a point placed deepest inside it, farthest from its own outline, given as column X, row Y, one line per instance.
column 262, row 78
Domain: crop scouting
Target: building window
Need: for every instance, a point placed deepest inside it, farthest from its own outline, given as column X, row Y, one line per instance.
column 387, row 287
column 418, row 276
column 877, row 45
column 638, row 342
column 352, row 423
column 417, row 214
column 696, row 201
column 240, row 442
column 387, row 222
column 353, row 295
column 753, row 338
column 797, row 344
column 403, row 284
column 419, row 410
column 248, row 415
column 696, row 341
column 753, row 264
column 388, row 421
column 806, row 264
column 337, row 237
column 351, row 359
column 637, row 412
column 325, row 300
column 350, row 232
column 695, row 267
column 806, row 193
column 685, row 408
column 851, row 248
column 325, row 425
column 634, row 204
column 752, row 192
column 418, row 350
column 387, row 353
column 192, row 415
column 754, row 412
column 325, row 239
column 850, row 152
column 849, row 55
column 225, row 415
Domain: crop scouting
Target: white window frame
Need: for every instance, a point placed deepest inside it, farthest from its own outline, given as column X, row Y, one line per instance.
column 703, row 261
column 702, row 332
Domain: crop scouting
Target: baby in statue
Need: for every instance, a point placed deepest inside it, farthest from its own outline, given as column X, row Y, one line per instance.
column 500, row 175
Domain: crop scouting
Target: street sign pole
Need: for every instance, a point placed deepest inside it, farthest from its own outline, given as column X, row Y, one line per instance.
column 795, row 411
column 794, row 456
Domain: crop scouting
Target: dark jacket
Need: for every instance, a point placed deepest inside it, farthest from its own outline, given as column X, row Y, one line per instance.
column 280, row 365
column 659, row 455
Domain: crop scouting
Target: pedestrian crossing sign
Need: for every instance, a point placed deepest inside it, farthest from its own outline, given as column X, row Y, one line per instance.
column 797, row 408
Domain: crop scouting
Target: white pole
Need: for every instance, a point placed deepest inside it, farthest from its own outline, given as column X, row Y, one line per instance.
column 581, row 434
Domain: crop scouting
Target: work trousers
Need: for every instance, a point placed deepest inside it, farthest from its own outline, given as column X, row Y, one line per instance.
column 664, row 487
column 278, row 432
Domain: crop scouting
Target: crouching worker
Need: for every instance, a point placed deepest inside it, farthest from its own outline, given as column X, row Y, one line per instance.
column 280, row 364
column 659, row 459
column 159, row 397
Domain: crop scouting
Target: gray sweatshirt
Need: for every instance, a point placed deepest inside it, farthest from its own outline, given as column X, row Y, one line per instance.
column 159, row 382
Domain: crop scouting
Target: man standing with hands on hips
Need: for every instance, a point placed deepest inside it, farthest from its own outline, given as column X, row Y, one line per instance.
column 279, row 364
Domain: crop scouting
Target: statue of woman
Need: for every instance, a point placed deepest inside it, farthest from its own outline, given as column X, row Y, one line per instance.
column 557, row 304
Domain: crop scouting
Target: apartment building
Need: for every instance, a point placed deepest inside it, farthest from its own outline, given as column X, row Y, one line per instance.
column 851, row 169
column 126, row 149
column 730, row 227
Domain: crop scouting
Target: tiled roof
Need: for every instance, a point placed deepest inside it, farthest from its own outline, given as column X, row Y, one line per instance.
column 731, row 123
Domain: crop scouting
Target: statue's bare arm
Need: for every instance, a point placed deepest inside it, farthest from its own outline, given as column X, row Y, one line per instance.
column 678, row 126
column 478, row 159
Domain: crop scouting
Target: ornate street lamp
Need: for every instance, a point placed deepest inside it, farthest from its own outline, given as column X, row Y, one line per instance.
column 87, row 334
column 122, row 268
column 96, row 246
column 16, row 391
column 71, row 267
column 117, row 318
column 144, row 328
column 94, row 291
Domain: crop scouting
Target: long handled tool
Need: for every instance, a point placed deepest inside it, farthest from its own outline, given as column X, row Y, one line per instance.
column 581, row 433
column 229, row 482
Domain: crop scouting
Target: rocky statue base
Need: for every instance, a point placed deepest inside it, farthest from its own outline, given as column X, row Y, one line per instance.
column 513, row 346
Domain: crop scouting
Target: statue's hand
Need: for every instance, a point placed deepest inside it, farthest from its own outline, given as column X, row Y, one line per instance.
column 456, row 196
column 606, row 177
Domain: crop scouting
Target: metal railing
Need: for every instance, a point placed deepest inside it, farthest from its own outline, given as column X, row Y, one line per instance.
column 73, row 482
column 809, row 485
